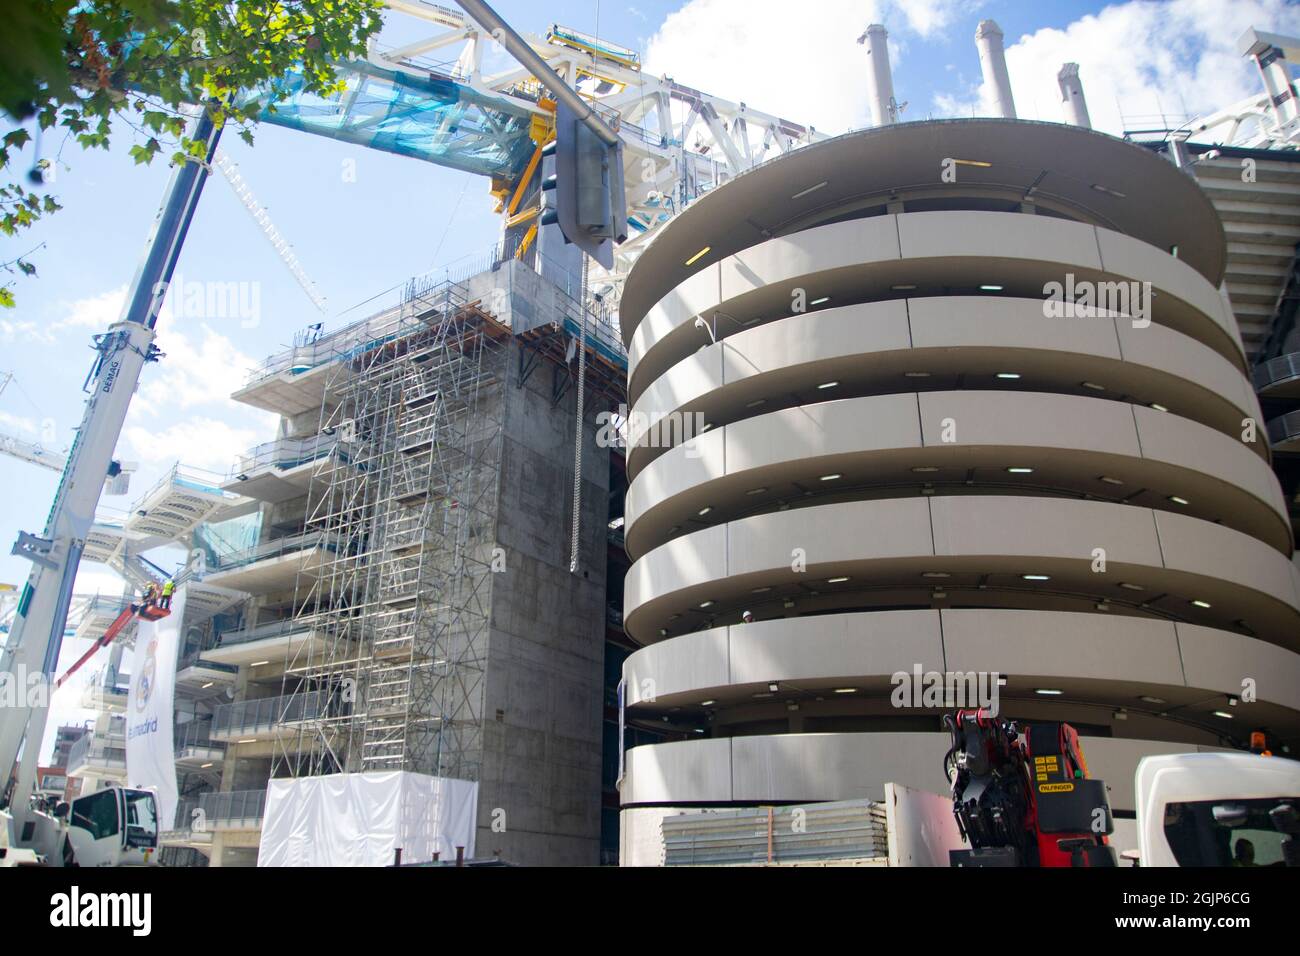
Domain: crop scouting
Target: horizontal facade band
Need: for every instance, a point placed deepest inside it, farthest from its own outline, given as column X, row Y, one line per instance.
column 1088, row 657
column 799, row 768
column 972, row 440
column 944, row 342
column 1040, row 547
column 1056, row 169
column 877, row 258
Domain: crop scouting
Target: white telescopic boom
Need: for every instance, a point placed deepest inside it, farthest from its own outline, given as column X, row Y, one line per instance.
column 32, row 652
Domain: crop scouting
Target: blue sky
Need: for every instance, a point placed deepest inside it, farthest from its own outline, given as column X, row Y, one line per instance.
column 359, row 236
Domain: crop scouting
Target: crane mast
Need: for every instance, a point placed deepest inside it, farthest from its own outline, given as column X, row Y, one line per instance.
column 31, row 654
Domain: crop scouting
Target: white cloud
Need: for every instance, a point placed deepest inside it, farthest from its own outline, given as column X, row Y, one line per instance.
column 1160, row 63
column 805, row 66
column 18, row 423
column 192, row 374
column 96, row 312
column 207, row 443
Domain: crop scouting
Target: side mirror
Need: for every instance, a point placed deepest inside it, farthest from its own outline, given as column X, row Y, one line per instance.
column 62, row 809
column 1231, row 815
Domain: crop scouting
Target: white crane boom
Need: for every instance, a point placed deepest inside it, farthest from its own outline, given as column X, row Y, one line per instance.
column 32, row 650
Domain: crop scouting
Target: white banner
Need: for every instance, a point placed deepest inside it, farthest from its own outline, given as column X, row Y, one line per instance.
column 150, row 759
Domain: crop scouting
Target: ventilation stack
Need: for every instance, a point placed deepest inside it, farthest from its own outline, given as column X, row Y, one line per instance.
column 883, row 111
column 1072, row 100
column 993, row 64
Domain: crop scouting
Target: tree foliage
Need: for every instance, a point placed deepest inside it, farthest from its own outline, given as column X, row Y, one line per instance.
column 87, row 69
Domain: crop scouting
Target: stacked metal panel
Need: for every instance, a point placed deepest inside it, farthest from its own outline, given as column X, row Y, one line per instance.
column 848, row 830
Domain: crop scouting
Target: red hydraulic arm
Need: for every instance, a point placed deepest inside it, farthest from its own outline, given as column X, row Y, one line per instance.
column 148, row 612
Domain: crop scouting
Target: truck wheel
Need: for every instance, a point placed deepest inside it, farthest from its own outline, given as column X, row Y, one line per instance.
column 69, row 855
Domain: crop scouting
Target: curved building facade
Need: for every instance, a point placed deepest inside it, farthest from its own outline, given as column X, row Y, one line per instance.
column 959, row 398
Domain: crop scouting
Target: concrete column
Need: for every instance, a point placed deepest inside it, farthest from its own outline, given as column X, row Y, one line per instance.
column 993, row 64
column 880, row 80
column 1072, row 101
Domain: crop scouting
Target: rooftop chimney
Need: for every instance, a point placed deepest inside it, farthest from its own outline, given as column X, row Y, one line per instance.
column 880, row 79
column 993, row 64
column 1072, row 101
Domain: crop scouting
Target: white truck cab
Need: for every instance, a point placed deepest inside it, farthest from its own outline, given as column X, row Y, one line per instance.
column 116, row 826
column 1217, row 809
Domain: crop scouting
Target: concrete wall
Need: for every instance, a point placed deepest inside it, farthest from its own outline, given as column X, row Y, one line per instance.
column 542, row 706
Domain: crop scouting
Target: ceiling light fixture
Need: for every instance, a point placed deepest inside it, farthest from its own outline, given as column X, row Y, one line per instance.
column 810, row 190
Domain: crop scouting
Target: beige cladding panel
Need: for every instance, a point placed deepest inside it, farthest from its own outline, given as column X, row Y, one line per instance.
column 695, row 770
column 681, row 563
column 1044, row 527
column 1125, row 256
column 1198, row 547
column 997, row 235
column 1041, row 420
column 690, row 298
column 831, row 428
column 1169, row 438
column 942, row 322
column 782, row 260
column 852, row 531
column 1052, row 643
column 835, row 766
column 693, row 662
column 1234, row 663
column 849, row 645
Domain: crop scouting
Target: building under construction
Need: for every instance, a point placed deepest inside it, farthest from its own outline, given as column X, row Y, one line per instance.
column 411, row 602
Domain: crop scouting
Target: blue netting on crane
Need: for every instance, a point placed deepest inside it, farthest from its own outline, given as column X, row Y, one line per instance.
column 436, row 120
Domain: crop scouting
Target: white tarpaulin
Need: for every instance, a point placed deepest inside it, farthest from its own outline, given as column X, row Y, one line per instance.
column 358, row 819
column 150, row 759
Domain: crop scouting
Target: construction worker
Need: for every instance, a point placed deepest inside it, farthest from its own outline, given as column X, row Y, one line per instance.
column 168, row 588
column 747, row 617
column 150, row 595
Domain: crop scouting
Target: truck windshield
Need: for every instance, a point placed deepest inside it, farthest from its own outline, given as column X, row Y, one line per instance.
column 96, row 813
column 141, row 819
column 1197, row 839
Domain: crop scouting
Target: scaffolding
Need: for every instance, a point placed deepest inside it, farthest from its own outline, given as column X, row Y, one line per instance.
column 400, row 611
